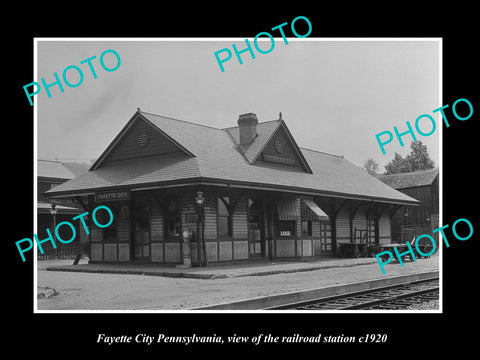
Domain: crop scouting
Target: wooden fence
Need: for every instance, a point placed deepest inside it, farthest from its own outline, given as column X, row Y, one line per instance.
column 63, row 251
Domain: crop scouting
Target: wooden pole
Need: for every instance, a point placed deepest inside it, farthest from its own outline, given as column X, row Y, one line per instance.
column 203, row 237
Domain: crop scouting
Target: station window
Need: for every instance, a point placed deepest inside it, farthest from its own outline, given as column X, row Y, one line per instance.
column 110, row 232
column 224, row 217
column 286, row 228
column 141, row 219
column 172, row 226
column 307, row 228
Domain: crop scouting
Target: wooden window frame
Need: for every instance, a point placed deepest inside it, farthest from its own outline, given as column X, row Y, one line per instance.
column 309, row 228
column 166, row 236
column 229, row 216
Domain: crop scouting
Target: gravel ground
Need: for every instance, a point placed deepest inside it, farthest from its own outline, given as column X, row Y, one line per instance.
column 95, row 291
column 429, row 305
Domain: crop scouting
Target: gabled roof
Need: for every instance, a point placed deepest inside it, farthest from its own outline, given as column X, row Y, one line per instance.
column 52, row 169
column 77, row 168
column 265, row 131
column 138, row 116
column 216, row 159
column 408, row 180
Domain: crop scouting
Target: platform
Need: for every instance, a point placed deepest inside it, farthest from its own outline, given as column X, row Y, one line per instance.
column 220, row 271
column 145, row 287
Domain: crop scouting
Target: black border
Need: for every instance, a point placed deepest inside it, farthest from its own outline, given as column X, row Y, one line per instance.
column 78, row 332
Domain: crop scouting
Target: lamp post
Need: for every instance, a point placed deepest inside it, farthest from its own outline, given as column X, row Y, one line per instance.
column 405, row 216
column 200, row 203
column 53, row 211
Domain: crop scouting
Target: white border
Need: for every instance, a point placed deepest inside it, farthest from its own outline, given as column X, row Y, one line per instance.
column 35, row 187
column 440, row 165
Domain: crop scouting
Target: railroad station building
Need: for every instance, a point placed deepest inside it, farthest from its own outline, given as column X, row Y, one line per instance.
column 185, row 193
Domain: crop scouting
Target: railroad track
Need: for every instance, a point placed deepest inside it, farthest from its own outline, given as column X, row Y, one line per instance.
column 395, row 297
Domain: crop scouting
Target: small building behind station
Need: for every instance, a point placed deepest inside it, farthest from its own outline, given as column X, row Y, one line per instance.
column 51, row 173
column 413, row 221
column 260, row 195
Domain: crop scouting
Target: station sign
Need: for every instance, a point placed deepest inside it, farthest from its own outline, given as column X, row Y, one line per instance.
column 279, row 160
column 117, row 195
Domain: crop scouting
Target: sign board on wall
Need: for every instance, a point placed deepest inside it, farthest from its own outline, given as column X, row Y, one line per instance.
column 279, row 160
column 116, row 195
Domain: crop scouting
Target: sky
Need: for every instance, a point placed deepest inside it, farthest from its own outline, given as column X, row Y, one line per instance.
column 334, row 95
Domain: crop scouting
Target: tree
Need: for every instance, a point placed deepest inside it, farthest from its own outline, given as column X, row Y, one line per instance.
column 371, row 166
column 397, row 165
column 417, row 160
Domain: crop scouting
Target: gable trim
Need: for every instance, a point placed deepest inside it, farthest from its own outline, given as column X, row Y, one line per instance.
column 266, row 142
column 133, row 120
column 296, row 149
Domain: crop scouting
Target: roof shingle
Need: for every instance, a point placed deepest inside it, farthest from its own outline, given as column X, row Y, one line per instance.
column 407, row 180
column 217, row 157
column 53, row 169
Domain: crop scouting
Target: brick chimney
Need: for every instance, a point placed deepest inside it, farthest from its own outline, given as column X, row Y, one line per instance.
column 247, row 125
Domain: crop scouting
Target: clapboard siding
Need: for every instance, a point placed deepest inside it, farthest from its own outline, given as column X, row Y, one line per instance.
column 96, row 234
column 268, row 230
column 384, row 229
column 316, row 229
column 343, row 226
column 156, row 221
column 211, row 217
column 268, row 222
column 298, row 223
column 359, row 220
column 129, row 148
column 169, row 251
column 95, row 231
column 123, row 228
column 240, row 218
column 189, row 213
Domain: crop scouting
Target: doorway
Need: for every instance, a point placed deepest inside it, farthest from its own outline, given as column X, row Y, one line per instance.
column 256, row 247
column 141, row 230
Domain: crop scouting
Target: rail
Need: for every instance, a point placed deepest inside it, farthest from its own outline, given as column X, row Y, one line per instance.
column 388, row 297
